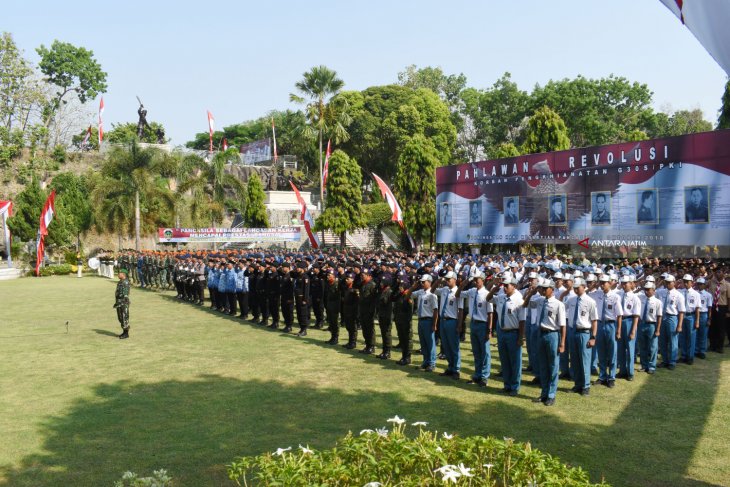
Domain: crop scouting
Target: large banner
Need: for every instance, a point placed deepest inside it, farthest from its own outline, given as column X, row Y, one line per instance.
column 257, row 151
column 673, row 191
column 250, row 235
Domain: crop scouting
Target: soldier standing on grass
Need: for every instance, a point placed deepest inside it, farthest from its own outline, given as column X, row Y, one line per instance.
column 121, row 303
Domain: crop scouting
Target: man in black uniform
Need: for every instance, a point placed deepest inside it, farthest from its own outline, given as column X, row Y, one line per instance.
column 403, row 313
column 252, row 273
column 286, row 290
column 385, row 313
column 332, row 302
column 302, row 297
column 366, row 310
column 273, row 284
column 262, row 282
column 350, row 300
column 316, row 293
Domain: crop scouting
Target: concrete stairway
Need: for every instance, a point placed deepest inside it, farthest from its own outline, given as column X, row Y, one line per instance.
column 8, row 273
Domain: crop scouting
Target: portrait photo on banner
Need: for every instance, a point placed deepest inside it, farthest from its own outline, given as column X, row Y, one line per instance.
column 511, row 211
column 444, row 217
column 646, row 202
column 475, row 213
column 600, row 208
column 696, row 204
column 557, row 210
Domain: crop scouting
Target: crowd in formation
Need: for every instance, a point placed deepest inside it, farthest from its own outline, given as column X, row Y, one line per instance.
column 576, row 318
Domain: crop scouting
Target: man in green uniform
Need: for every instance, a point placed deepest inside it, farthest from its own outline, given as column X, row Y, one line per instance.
column 121, row 302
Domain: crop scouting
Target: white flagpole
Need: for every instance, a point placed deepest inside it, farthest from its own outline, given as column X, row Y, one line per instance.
column 7, row 239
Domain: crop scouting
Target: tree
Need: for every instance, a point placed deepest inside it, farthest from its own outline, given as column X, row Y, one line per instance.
column 73, row 194
column 343, row 211
column 723, row 120
column 504, row 150
column 135, row 176
column 447, row 87
column 124, row 133
column 15, row 75
column 212, row 189
column 415, row 186
column 25, row 222
column 317, row 85
column 71, row 69
column 255, row 214
column 545, row 132
column 93, row 142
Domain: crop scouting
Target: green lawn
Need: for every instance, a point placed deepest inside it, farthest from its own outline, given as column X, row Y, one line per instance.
column 192, row 389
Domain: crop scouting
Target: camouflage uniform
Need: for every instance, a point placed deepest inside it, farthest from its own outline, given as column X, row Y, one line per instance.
column 122, row 305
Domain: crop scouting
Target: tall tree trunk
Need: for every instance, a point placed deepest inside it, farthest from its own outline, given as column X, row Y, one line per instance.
column 136, row 220
column 321, row 185
column 343, row 239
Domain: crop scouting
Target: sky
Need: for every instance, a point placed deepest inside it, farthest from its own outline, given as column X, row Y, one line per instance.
column 241, row 59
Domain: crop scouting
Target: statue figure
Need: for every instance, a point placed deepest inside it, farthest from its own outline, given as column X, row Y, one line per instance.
column 142, row 123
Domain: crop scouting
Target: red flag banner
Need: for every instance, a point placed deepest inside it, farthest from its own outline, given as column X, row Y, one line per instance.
column 40, row 249
column 326, row 165
column 211, row 129
column 101, row 121
column 49, row 209
column 394, row 206
column 306, row 218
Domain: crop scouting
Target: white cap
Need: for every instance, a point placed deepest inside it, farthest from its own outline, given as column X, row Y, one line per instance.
column 547, row 283
column 687, row 277
column 426, row 277
column 649, row 285
column 604, row 278
column 578, row 273
column 580, row 282
column 599, row 271
column 532, row 275
column 510, row 280
column 568, row 277
column 650, row 279
column 625, row 279
column 669, row 278
column 589, row 278
column 507, row 275
column 700, row 280
column 558, row 275
column 450, row 275
column 479, row 275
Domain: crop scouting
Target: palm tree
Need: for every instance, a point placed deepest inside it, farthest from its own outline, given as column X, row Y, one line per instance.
column 318, row 84
column 131, row 176
column 209, row 186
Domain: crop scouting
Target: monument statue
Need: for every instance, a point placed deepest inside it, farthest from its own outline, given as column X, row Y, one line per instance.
column 142, row 123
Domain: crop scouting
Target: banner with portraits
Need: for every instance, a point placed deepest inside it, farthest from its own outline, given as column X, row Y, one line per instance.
column 673, row 191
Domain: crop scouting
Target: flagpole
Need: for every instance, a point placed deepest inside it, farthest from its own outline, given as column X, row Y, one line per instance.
column 7, row 239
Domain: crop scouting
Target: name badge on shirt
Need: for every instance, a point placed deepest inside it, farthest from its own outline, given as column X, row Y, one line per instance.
column 550, row 313
column 703, row 302
column 692, row 301
column 628, row 306
column 451, row 302
column 479, row 305
column 583, row 313
column 609, row 307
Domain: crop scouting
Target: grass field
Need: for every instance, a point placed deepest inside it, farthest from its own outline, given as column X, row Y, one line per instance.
column 192, row 389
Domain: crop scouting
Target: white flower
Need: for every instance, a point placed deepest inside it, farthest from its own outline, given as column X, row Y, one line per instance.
column 280, row 451
column 466, row 472
column 447, row 436
column 419, row 423
column 373, row 484
column 382, row 432
column 397, row 420
column 439, row 449
column 507, row 439
column 451, row 475
column 365, row 431
column 488, row 465
column 305, row 449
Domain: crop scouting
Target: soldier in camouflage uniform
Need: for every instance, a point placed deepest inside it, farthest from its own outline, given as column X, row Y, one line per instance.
column 121, row 303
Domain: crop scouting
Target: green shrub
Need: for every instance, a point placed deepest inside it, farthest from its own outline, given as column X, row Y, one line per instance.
column 159, row 479
column 389, row 458
column 59, row 154
column 51, row 270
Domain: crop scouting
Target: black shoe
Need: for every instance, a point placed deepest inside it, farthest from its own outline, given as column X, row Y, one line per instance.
column 441, row 356
column 594, row 371
column 576, row 389
column 621, row 375
column 302, row 333
column 351, row 345
column 482, row 383
column 549, row 401
column 528, row 368
column 564, row 375
column 539, row 399
column 428, row 369
column 404, row 361
column 367, row 351
column 124, row 335
column 456, row 376
column 585, row 392
column 671, row 367
column 512, row 393
column 384, row 355
column 397, row 345
column 690, row 362
column 446, row 373
column 535, row 380
column 498, row 374
column 599, row 382
column 611, row 384
column 418, row 351
column 701, row 356
column 286, row 329
column 629, row 378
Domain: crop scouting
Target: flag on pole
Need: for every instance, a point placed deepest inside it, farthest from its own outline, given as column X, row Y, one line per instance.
column 49, row 209
column 6, row 211
column 87, row 137
column 211, row 128
column 225, row 144
column 326, row 165
column 101, row 121
column 394, row 206
column 273, row 131
column 40, row 250
column 306, row 218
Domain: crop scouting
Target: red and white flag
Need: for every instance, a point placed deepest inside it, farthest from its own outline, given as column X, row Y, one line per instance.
column 40, row 250
column 273, row 131
column 326, row 165
column 211, row 128
column 225, row 144
column 101, row 121
column 6, row 211
column 394, row 206
column 306, row 218
column 87, row 137
column 49, row 210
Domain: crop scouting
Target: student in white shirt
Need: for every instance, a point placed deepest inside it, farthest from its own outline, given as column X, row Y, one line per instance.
column 631, row 306
column 566, row 368
column 706, row 303
column 609, row 311
column 551, row 323
column 427, row 309
column 649, row 329
column 582, row 317
column 448, row 325
column 691, row 321
column 672, row 316
column 480, row 327
column 531, row 301
column 511, row 335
